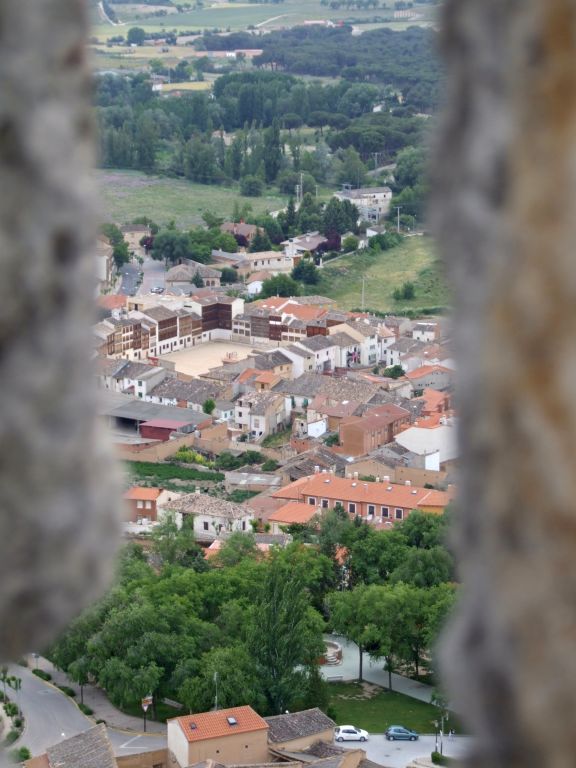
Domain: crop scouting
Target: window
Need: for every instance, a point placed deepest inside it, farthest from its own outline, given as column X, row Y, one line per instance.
column 312, row 500
column 205, row 526
column 148, row 505
column 371, row 509
column 243, row 525
column 324, row 503
column 399, row 513
column 352, row 508
column 139, row 505
column 384, row 511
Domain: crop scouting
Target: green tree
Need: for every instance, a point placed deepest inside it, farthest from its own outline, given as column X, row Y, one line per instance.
column 272, row 152
column 279, row 285
column 78, row 671
column 425, row 567
column 171, row 246
column 260, row 242
column 208, row 406
column 251, row 186
column 350, row 244
column 197, row 280
column 394, row 372
column 334, row 219
column 212, row 220
column 347, row 619
column 174, row 545
column 285, row 639
column 237, row 546
column 228, row 275
column 136, row 36
column 306, row 272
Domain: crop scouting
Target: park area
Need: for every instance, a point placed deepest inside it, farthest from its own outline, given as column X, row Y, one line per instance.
column 198, row 360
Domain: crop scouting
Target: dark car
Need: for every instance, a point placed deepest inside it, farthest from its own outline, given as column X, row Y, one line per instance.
column 398, row 732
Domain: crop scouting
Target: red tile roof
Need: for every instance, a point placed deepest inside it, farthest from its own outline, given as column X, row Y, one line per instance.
column 112, row 301
column 324, row 486
column 143, row 494
column 294, row 512
column 215, row 725
column 425, row 370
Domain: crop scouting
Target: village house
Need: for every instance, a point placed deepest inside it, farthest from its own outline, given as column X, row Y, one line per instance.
column 376, row 502
column 275, row 262
column 243, row 233
column 427, row 332
column 433, row 437
column 129, row 377
column 211, row 515
column 142, row 503
column 296, row 247
column 260, row 414
column 373, row 203
column 324, row 349
column 182, row 275
column 227, row 736
column 293, row 513
column 296, row 731
column 133, row 233
column 185, row 394
column 430, row 377
column 378, row 426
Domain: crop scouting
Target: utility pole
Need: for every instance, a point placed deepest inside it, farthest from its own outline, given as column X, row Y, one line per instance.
column 398, row 207
column 363, row 291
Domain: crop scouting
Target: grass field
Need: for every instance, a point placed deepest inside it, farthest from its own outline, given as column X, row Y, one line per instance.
column 385, row 708
column 236, row 16
column 126, row 195
column 414, row 260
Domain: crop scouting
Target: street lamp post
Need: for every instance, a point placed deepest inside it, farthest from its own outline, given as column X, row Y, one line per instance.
column 436, row 735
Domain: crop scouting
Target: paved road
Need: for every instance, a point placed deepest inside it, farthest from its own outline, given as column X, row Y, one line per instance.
column 130, row 274
column 397, row 754
column 51, row 717
column 153, row 275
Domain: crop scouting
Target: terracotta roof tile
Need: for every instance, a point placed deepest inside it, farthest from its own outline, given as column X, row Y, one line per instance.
column 138, row 493
column 294, row 512
column 215, row 725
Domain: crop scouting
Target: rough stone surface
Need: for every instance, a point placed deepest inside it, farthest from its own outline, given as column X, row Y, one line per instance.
column 57, row 478
column 504, row 188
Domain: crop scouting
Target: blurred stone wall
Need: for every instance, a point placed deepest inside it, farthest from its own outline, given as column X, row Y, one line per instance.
column 58, row 488
column 503, row 207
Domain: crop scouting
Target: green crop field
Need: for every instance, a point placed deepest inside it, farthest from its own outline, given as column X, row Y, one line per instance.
column 125, row 195
column 413, row 261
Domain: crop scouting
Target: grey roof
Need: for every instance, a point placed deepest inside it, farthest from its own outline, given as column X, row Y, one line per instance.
column 197, row 391
column 135, row 371
column 296, row 725
column 303, row 465
column 342, row 339
column 204, row 504
column 159, row 313
column 90, row 749
column 299, row 351
column 307, row 385
column 264, row 479
column 105, row 366
column 314, row 300
column 393, row 455
column 133, row 409
column 317, row 343
column 405, row 345
column 270, row 360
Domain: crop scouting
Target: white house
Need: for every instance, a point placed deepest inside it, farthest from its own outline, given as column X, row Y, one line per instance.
column 427, row 437
column 212, row 515
column 325, row 351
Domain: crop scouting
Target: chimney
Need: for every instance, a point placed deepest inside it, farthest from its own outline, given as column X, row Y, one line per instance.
column 355, row 475
column 386, row 479
column 197, row 492
column 316, row 470
column 408, row 482
column 324, row 471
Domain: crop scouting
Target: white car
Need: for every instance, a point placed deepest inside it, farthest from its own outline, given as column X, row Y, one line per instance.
column 350, row 733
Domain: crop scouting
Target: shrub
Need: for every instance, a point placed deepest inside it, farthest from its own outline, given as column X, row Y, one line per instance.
column 439, row 759
column 20, row 754
column 67, row 690
column 331, row 440
column 17, row 722
column 86, row 710
column 11, row 737
column 23, row 663
column 100, row 721
column 11, row 709
column 270, row 465
column 41, row 674
column 251, row 186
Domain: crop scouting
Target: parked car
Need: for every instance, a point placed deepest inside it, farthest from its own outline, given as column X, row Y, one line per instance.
column 157, row 289
column 350, row 733
column 398, row 732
